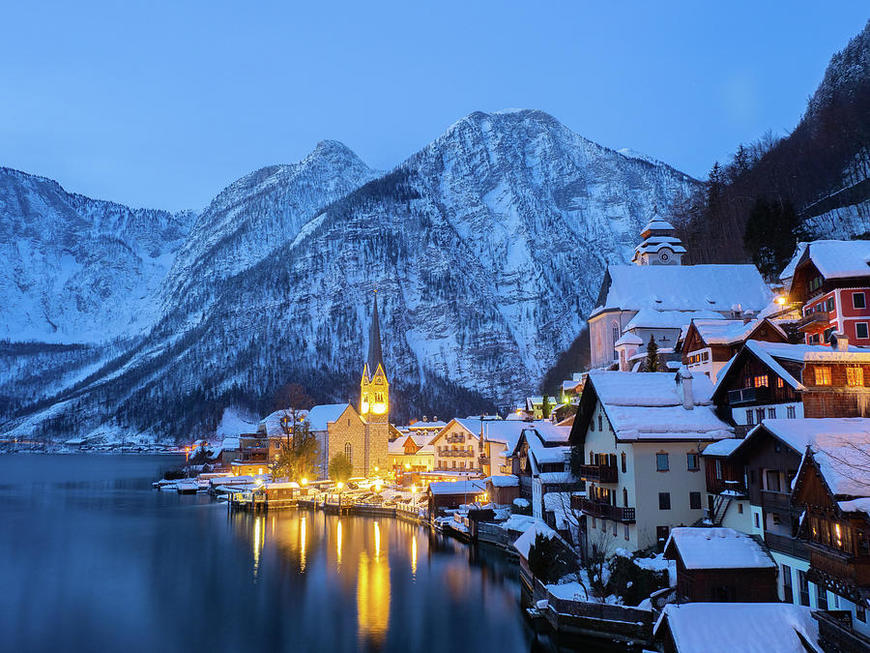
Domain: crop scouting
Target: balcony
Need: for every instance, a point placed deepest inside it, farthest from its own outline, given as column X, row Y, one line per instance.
column 833, row 567
column 748, row 395
column 456, row 453
column 455, row 438
column 733, row 489
column 603, row 510
column 814, row 321
column 775, row 500
column 788, row 545
column 599, row 473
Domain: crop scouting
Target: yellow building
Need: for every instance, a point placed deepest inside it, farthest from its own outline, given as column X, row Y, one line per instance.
column 374, row 405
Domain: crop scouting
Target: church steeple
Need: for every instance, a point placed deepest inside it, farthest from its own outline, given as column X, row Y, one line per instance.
column 374, row 404
column 375, row 358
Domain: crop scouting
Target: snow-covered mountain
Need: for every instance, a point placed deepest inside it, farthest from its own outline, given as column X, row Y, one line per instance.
column 79, row 270
column 487, row 249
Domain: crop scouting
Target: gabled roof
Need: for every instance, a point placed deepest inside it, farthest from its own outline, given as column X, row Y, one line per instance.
column 320, row 416
column 649, row 406
column 683, row 288
column 840, row 448
column 716, row 548
column 729, row 332
column 722, row 448
column 755, row 627
column 837, row 259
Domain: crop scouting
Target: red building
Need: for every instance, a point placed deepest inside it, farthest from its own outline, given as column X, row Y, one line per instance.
column 831, row 282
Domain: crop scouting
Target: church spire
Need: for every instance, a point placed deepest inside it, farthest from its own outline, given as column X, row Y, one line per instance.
column 375, row 356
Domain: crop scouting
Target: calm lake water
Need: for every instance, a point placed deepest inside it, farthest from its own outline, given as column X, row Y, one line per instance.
column 93, row 559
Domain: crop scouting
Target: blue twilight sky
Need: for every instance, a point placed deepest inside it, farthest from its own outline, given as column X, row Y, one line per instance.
column 161, row 104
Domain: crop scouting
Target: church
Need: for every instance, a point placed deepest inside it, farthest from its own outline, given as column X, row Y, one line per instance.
column 361, row 435
column 658, row 295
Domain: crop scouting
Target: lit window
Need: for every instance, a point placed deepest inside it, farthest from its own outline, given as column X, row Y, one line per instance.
column 855, row 376
column 760, row 381
column 779, row 382
column 823, row 375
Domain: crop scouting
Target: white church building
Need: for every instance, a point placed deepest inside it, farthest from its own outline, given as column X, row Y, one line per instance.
column 658, row 296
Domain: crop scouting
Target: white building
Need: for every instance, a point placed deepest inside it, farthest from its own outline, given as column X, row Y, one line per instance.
column 641, row 436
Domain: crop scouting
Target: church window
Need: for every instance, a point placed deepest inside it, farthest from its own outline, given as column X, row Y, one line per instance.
column 348, row 451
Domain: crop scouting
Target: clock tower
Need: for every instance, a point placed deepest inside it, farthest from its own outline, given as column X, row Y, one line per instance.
column 660, row 245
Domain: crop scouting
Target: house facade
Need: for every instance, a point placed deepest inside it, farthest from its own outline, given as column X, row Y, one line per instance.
column 831, row 282
column 710, row 344
column 641, row 437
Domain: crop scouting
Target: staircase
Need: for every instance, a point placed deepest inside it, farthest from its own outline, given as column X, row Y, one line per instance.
column 720, row 507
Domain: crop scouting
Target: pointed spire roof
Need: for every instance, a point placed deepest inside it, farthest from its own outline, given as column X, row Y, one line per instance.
column 375, row 356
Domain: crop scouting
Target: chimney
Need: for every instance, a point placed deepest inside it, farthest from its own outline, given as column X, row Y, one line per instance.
column 684, row 379
column 839, row 341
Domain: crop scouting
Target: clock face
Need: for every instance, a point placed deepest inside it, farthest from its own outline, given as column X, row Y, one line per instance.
column 663, row 256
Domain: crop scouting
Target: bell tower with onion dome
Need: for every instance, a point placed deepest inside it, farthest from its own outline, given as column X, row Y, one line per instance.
column 374, row 404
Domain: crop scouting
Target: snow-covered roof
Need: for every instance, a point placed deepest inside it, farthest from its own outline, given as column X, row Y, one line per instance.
column 856, row 505
column 508, row 480
column 272, row 422
column 788, row 271
column 658, row 224
column 320, row 416
column 717, row 548
column 427, row 425
column 230, row 443
column 749, row 627
column 840, row 447
column 524, row 542
column 628, row 338
column 458, row 487
column 722, row 447
column 396, row 447
column 728, row 332
column 685, row 288
column 648, row 318
column 647, row 389
column 649, row 406
column 839, row 259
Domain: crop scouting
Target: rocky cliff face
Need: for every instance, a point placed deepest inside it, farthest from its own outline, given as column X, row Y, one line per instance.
column 487, row 248
column 79, row 270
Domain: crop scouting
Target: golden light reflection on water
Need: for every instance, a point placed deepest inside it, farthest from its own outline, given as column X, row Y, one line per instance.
column 338, row 545
column 414, row 555
column 373, row 592
column 302, row 542
column 259, row 542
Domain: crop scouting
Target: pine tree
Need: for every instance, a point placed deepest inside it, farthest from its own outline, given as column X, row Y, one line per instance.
column 545, row 407
column 652, row 355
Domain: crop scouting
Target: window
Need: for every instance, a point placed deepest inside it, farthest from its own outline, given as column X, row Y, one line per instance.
column 600, row 426
column 771, row 480
column 821, row 598
column 858, row 300
column 614, row 333
column 823, row 375
column 695, row 500
column 787, row 594
column 348, row 451
column 790, row 412
column 804, row 587
column 854, row 376
column 622, row 458
column 739, row 508
column 829, row 305
column 759, row 381
column 662, row 533
column 861, row 330
column 624, row 498
column 614, row 529
column 828, row 333
column 662, row 464
column 664, row 500
column 757, row 522
column 814, row 284
column 750, row 420
column 718, row 468
column 779, row 382
column 759, row 415
column 625, row 530
column 771, row 413
column 692, row 462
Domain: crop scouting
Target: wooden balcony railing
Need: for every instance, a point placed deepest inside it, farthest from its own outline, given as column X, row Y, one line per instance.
column 788, row 545
column 748, row 395
column 599, row 473
column 603, row 510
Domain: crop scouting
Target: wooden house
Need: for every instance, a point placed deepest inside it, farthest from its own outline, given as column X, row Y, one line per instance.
column 721, row 565
column 710, row 344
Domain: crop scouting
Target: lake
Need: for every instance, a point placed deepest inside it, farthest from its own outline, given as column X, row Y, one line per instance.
column 93, row 559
